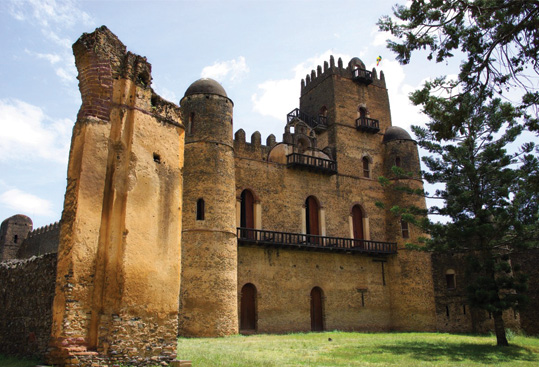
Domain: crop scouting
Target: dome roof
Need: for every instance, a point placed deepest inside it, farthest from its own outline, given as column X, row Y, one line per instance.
column 396, row 133
column 205, row 86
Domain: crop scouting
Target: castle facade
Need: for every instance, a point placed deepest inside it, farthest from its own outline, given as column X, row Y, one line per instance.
column 175, row 225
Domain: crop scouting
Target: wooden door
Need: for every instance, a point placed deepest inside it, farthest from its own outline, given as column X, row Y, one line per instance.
column 357, row 222
column 313, row 224
column 248, row 308
column 317, row 316
column 247, row 212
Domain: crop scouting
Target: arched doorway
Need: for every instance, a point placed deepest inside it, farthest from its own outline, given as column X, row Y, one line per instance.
column 248, row 309
column 247, row 219
column 317, row 310
column 312, row 218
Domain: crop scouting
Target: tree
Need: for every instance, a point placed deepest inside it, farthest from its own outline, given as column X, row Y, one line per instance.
column 499, row 40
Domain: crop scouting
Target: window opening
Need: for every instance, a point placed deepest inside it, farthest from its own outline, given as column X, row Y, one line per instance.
column 450, row 279
column 247, row 218
column 200, row 209
column 447, row 311
column 404, row 229
column 366, row 170
column 15, row 239
column 398, row 161
column 191, row 125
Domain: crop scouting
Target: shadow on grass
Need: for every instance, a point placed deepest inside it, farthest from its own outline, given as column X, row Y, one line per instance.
column 459, row 352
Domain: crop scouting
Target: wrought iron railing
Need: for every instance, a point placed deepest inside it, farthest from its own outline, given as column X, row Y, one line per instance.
column 312, row 163
column 249, row 236
column 363, row 76
column 368, row 125
column 319, row 122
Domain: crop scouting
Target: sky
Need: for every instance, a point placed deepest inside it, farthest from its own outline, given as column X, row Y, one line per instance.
column 259, row 50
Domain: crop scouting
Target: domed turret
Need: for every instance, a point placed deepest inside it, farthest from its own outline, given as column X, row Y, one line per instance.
column 205, row 86
column 396, row 133
column 208, row 301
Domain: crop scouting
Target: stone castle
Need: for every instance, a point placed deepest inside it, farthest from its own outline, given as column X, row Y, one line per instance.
column 173, row 225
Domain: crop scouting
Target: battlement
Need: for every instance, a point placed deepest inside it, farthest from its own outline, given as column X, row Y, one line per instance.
column 51, row 227
column 317, row 76
column 254, row 149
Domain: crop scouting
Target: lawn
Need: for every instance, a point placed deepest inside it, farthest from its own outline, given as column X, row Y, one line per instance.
column 333, row 349
column 359, row 349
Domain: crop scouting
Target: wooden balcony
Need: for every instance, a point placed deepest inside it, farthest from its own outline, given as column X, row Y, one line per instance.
column 362, row 76
column 298, row 241
column 310, row 163
column 368, row 125
column 319, row 123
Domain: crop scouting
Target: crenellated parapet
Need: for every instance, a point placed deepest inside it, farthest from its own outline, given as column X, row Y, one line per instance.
column 40, row 241
column 253, row 149
column 350, row 71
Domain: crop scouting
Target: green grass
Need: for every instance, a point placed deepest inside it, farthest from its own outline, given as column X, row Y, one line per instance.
column 17, row 362
column 349, row 349
column 359, row 349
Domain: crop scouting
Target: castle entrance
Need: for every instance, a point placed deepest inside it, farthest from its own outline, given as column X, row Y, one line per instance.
column 248, row 309
column 317, row 315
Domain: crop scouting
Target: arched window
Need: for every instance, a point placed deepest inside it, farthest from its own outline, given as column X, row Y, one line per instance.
column 404, row 229
column 312, row 222
column 248, row 312
column 366, row 168
column 200, row 209
column 362, row 112
column 398, row 161
column 357, row 223
column 15, row 238
column 450, row 279
column 317, row 309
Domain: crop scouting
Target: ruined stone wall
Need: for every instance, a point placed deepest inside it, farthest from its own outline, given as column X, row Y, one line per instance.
column 529, row 316
column 43, row 240
column 116, row 297
column 453, row 313
column 26, row 294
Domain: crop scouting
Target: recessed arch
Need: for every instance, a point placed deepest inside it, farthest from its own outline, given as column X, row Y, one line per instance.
column 317, row 309
column 248, row 308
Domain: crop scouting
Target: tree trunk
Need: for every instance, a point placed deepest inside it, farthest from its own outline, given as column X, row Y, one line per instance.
column 499, row 327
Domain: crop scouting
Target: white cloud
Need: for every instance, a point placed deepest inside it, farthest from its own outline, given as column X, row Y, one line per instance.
column 53, row 17
column 26, row 133
column 23, row 202
column 380, row 38
column 233, row 70
column 276, row 98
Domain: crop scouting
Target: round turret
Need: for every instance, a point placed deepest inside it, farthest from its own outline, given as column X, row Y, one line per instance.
column 400, row 151
column 208, row 301
column 13, row 231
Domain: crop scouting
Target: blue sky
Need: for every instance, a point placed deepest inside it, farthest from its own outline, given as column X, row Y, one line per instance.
column 258, row 50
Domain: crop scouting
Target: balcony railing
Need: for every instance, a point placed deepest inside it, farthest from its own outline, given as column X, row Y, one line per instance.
column 363, row 76
column 317, row 123
column 249, row 236
column 368, row 125
column 302, row 161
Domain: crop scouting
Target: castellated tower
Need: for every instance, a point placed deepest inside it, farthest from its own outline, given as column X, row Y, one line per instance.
column 118, row 273
column 209, row 255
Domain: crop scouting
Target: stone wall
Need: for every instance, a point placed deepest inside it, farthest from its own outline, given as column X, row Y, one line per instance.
column 26, row 295
column 43, row 240
column 529, row 316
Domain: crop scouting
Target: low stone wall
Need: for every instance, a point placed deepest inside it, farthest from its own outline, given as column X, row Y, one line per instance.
column 26, row 295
